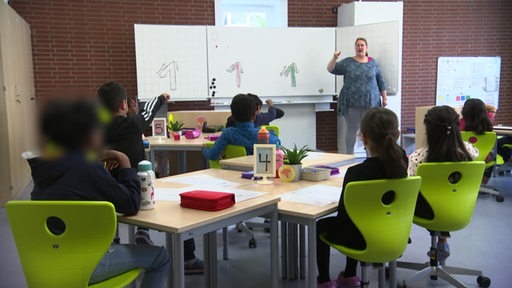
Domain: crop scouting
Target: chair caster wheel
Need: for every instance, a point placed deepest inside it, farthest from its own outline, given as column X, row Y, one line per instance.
column 483, row 281
column 252, row 243
column 499, row 198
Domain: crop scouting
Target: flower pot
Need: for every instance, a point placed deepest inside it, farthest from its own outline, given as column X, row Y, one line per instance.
column 176, row 135
column 297, row 168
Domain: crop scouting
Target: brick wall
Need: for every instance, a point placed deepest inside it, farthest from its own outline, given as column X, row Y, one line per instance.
column 79, row 44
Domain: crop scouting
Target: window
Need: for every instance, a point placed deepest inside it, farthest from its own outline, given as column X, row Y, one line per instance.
column 251, row 13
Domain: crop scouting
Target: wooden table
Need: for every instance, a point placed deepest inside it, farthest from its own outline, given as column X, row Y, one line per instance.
column 182, row 145
column 181, row 224
column 246, row 163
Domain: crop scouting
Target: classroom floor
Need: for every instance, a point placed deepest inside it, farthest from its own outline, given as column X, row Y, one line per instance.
column 485, row 244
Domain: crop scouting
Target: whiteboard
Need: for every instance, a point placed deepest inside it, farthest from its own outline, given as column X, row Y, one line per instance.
column 171, row 59
column 270, row 61
column 383, row 41
column 462, row 78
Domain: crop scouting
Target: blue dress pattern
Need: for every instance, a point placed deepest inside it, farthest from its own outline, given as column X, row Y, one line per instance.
column 362, row 84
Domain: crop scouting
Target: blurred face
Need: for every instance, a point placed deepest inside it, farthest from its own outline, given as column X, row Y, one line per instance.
column 360, row 48
column 95, row 142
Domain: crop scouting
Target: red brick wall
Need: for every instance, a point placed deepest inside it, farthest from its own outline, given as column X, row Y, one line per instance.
column 79, row 44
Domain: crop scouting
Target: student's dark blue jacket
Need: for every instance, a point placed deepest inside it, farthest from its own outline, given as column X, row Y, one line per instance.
column 73, row 177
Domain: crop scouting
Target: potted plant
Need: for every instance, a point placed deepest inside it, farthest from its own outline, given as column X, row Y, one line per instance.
column 293, row 157
column 175, row 129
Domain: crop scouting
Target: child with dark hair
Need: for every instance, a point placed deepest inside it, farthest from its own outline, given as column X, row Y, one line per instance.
column 262, row 118
column 379, row 133
column 70, row 170
column 478, row 117
column 444, row 144
column 124, row 133
column 244, row 111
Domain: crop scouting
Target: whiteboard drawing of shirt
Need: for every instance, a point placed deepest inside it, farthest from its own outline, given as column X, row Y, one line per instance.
column 237, row 68
column 291, row 70
column 169, row 70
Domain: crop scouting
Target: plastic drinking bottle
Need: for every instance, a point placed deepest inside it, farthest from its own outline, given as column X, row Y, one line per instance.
column 147, row 189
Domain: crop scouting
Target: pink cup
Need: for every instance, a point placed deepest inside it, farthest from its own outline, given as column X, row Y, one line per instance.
column 176, row 136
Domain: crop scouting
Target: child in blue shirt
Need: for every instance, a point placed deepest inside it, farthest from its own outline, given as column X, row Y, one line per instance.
column 243, row 110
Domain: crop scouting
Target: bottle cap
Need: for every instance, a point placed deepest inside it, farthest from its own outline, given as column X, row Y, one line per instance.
column 144, row 165
column 263, row 130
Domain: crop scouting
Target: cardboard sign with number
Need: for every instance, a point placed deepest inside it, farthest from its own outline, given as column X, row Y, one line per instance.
column 160, row 127
column 264, row 160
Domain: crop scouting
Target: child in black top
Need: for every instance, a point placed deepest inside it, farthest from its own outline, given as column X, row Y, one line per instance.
column 72, row 172
column 379, row 132
column 262, row 118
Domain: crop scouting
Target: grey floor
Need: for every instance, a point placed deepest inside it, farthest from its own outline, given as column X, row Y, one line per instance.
column 485, row 244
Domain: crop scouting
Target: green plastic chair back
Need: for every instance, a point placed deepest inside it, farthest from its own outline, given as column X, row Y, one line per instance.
column 385, row 226
column 452, row 202
column 68, row 259
column 272, row 128
column 484, row 143
column 231, row 151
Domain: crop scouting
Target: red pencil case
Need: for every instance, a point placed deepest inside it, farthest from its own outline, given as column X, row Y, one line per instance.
column 207, row 200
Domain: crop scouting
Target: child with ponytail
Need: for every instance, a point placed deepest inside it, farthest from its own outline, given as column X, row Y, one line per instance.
column 444, row 144
column 379, row 132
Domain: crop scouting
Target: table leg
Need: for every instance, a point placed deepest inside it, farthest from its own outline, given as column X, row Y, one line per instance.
column 312, row 253
column 210, row 255
column 152, row 157
column 292, row 251
column 183, row 161
column 178, row 270
column 274, row 250
column 284, row 249
column 225, row 254
column 131, row 234
column 302, row 251
column 169, row 246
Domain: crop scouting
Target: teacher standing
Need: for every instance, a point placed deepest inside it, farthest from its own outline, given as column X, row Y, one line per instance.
column 363, row 87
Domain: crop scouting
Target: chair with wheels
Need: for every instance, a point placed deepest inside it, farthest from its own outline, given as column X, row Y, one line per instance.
column 60, row 243
column 485, row 144
column 451, row 190
column 383, row 211
column 273, row 128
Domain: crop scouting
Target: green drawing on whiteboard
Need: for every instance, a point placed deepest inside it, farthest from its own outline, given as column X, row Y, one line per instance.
column 291, row 70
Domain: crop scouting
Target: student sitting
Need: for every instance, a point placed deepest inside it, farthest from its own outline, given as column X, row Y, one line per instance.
column 124, row 133
column 262, row 118
column 379, row 133
column 243, row 110
column 74, row 173
column 477, row 117
column 444, row 144
column 505, row 153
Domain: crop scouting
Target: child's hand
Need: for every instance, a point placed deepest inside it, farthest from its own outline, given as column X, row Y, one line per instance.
column 167, row 96
column 115, row 159
column 133, row 107
column 337, row 54
column 269, row 102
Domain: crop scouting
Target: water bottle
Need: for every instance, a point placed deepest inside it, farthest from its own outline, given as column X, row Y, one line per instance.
column 147, row 189
column 263, row 136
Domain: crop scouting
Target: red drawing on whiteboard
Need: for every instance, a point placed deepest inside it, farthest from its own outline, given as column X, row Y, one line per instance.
column 237, row 68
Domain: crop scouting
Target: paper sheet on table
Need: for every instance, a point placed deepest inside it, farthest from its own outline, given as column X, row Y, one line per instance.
column 202, row 180
column 173, row 194
column 319, row 195
column 314, row 155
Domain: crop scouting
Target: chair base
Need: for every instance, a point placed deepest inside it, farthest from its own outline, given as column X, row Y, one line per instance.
column 488, row 189
column 435, row 270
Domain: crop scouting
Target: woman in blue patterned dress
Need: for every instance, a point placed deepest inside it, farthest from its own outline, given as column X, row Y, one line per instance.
column 363, row 87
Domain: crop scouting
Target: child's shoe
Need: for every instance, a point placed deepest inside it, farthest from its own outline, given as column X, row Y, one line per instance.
column 330, row 284
column 142, row 237
column 443, row 252
column 348, row 282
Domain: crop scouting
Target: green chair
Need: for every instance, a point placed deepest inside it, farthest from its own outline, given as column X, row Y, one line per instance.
column 272, row 128
column 231, row 151
column 451, row 190
column 383, row 211
column 66, row 253
column 485, row 144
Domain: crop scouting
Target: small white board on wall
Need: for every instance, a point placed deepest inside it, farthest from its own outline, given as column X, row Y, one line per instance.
column 463, row 78
column 383, row 41
column 270, row 61
column 171, row 59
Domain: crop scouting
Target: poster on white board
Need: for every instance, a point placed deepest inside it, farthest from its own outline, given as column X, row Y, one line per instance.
column 463, row 78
